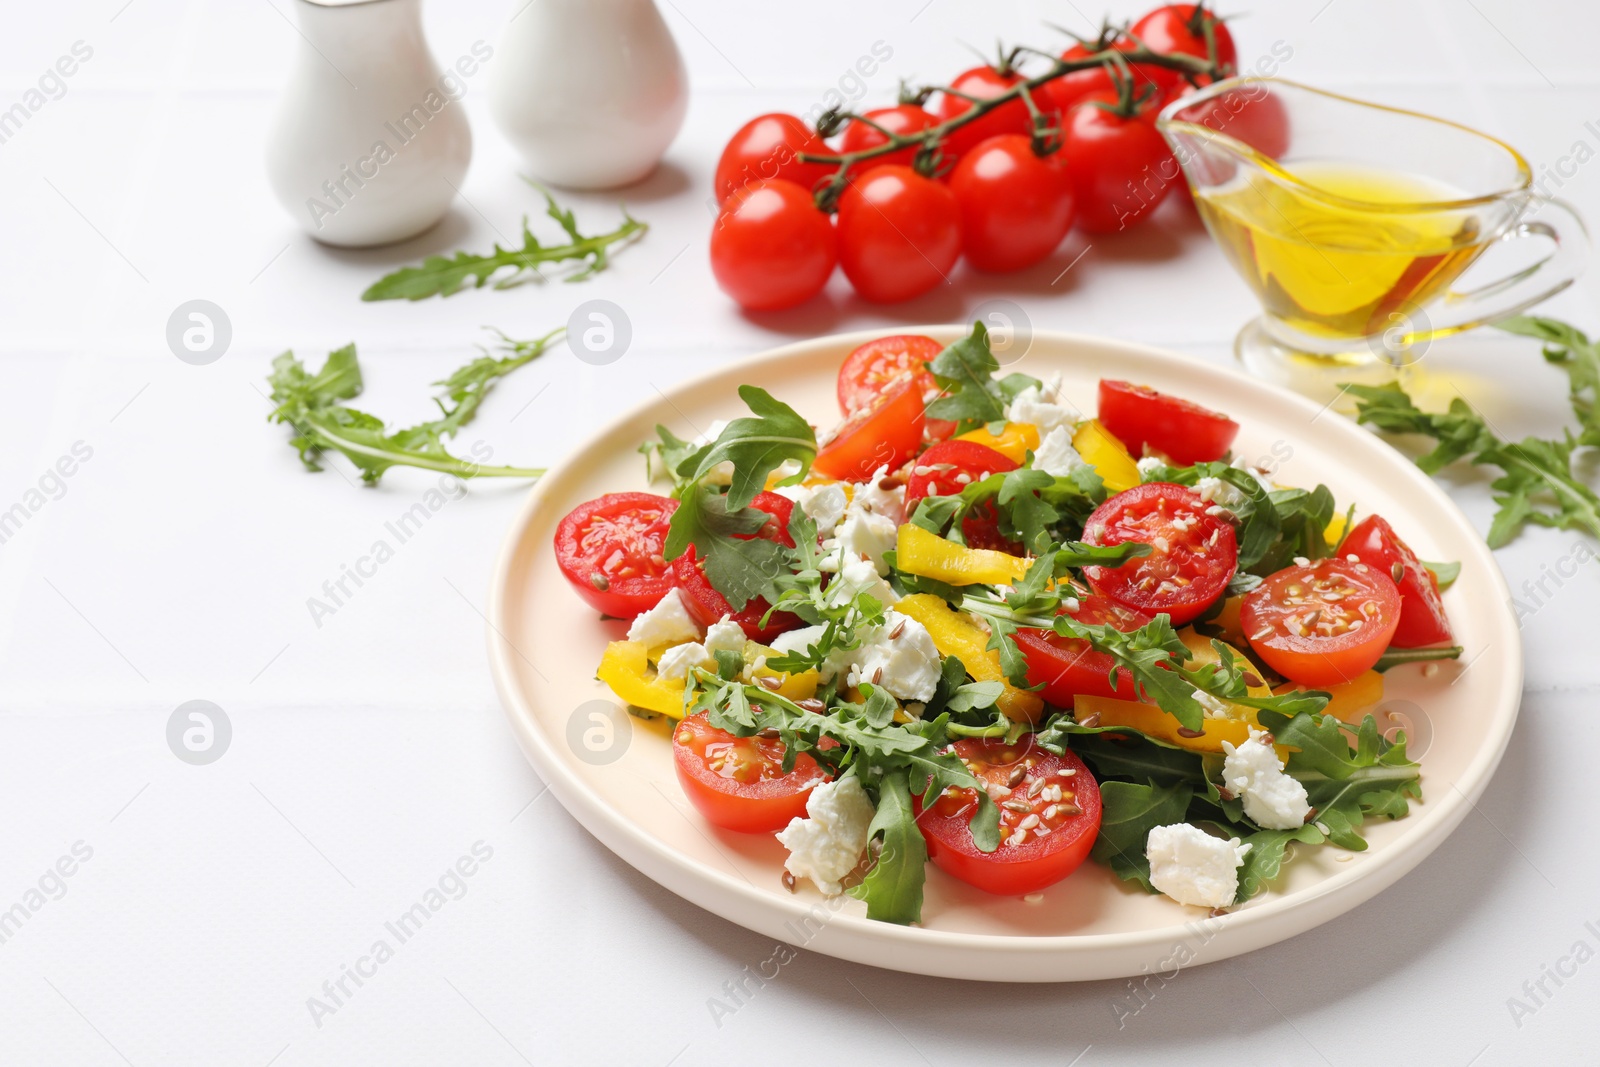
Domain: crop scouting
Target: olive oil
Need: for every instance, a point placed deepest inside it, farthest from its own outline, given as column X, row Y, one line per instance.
column 1333, row 269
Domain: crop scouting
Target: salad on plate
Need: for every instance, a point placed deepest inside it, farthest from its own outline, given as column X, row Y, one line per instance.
column 973, row 625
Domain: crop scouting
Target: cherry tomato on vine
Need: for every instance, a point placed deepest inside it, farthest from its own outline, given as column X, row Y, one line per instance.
column 610, row 550
column 899, row 234
column 1049, row 818
column 1322, row 623
column 949, row 467
column 1015, row 207
column 983, row 83
column 1422, row 618
column 1121, row 167
column 1065, row 92
column 1067, row 666
column 707, row 605
column 905, row 119
column 1181, row 29
column 738, row 783
column 885, row 433
column 769, row 146
column 1182, row 430
column 771, row 248
column 1193, row 554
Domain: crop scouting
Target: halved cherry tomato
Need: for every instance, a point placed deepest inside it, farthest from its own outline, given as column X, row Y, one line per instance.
column 899, row 234
column 1181, row 430
column 1015, row 207
column 1422, row 618
column 1044, row 835
column 949, row 467
column 769, row 146
column 707, row 605
column 1193, row 554
column 1070, row 89
column 771, row 248
column 872, row 366
column 1067, row 667
column 904, row 119
column 884, row 435
column 1121, row 167
column 1323, row 622
column 738, row 782
column 1181, row 29
column 983, row 83
column 610, row 550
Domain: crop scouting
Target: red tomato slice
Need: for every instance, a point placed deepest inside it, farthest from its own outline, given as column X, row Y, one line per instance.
column 1067, row 666
column 1043, row 837
column 884, row 435
column 948, row 468
column 1193, row 554
column 1422, row 618
column 1322, row 623
column 707, row 605
column 873, row 366
column 738, row 783
column 1181, row 430
column 610, row 550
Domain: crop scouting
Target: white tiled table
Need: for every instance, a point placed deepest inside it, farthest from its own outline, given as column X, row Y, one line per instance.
column 369, row 753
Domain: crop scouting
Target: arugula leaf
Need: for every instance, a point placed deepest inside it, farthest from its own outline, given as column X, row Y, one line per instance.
column 442, row 276
column 311, row 404
column 965, row 373
column 741, row 568
column 1444, row 573
column 892, row 888
column 1570, row 349
column 1347, row 785
column 1536, row 484
column 1129, row 811
column 663, row 457
column 1264, row 861
column 974, row 696
column 755, row 446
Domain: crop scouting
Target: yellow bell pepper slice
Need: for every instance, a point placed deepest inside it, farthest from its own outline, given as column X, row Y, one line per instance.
column 1152, row 721
column 1350, row 700
column 1014, row 442
column 625, row 668
column 1334, row 532
column 812, row 478
column 1106, row 455
column 958, row 635
column 925, row 553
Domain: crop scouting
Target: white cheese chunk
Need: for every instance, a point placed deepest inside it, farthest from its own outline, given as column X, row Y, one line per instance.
column 898, row 655
column 856, row 576
column 725, row 636
column 1216, row 491
column 874, row 497
column 823, row 504
column 677, row 661
column 1149, row 464
column 1192, row 867
column 864, row 534
column 668, row 623
column 1056, row 456
column 1045, row 408
column 1273, row 799
column 827, row 844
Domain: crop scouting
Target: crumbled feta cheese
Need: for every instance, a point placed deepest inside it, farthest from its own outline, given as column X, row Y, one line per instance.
column 1045, row 408
column 863, row 533
column 803, row 640
column 857, row 576
column 900, row 656
column 725, row 636
column 827, row 844
column 676, row 661
column 1214, row 706
column 1261, row 479
column 1192, row 867
column 1273, row 799
column 1148, row 465
column 668, row 623
column 871, row 495
column 823, row 504
column 1216, row 491
column 1056, row 456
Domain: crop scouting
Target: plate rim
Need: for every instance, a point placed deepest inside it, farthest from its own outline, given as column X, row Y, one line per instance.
column 1247, row 929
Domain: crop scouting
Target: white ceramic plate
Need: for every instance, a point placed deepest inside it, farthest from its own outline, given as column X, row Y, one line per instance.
column 615, row 773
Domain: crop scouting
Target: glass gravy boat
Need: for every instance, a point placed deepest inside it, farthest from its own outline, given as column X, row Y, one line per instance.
column 1350, row 221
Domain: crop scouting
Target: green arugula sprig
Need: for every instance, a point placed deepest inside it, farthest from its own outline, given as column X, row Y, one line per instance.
column 313, row 405
column 1536, row 484
column 718, row 525
column 447, row 275
column 971, row 395
column 894, row 761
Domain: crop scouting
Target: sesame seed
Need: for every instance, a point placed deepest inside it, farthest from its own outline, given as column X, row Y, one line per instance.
column 1028, row 823
column 1017, row 838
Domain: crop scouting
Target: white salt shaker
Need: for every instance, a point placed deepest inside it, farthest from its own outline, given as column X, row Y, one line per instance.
column 370, row 141
column 590, row 92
